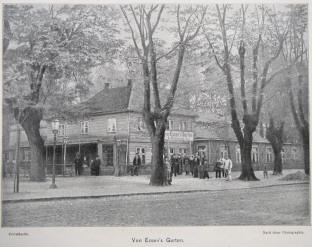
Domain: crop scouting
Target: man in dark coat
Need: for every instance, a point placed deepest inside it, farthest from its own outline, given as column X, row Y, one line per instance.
column 186, row 164
column 97, row 165
column 136, row 164
column 78, row 164
column 196, row 164
column 180, row 164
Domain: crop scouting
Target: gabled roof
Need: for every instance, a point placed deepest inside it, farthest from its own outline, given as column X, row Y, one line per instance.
column 108, row 100
column 121, row 99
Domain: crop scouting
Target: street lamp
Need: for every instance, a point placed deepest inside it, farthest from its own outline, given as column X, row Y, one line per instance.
column 55, row 128
column 65, row 142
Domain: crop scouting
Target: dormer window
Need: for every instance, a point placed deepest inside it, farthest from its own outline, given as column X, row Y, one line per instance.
column 111, row 125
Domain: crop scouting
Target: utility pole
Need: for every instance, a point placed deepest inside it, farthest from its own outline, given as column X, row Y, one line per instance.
column 17, row 160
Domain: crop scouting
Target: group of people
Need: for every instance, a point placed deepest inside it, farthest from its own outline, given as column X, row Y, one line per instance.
column 94, row 165
column 196, row 165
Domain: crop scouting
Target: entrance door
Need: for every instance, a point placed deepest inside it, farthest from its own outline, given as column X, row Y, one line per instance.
column 108, row 155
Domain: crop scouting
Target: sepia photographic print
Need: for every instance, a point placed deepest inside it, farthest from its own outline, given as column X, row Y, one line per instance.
column 155, row 114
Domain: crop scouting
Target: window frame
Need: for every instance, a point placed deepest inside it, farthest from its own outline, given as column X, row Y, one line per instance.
column 255, row 154
column 110, row 123
column 142, row 154
column 63, row 132
column 84, row 127
column 269, row 155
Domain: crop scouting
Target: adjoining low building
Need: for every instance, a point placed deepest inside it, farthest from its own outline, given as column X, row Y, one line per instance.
column 214, row 137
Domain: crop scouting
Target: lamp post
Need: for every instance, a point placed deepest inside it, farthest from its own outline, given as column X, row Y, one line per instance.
column 65, row 142
column 55, row 127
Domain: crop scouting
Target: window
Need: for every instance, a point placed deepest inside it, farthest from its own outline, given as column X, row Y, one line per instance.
column 111, row 125
column 84, row 127
column 254, row 154
column 26, row 155
column 170, row 126
column 171, row 151
column 269, row 155
column 141, row 124
column 141, row 152
column 283, row 154
column 62, row 130
column 238, row 154
column 223, row 151
column 182, row 125
column 201, row 150
column 182, row 150
column 6, row 156
column 294, row 153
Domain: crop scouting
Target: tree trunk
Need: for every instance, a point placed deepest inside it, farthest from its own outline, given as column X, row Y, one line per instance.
column 158, row 167
column 278, row 165
column 247, row 170
column 306, row 152
column 30, row 121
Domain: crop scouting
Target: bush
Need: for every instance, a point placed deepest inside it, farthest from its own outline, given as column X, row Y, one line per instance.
column 295, row 176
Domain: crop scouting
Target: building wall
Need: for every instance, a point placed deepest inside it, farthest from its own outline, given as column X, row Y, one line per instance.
column 213, row 153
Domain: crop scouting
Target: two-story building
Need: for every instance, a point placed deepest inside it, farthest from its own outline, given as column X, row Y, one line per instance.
column 112, row 127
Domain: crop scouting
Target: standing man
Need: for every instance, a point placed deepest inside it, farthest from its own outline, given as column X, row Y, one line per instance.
column 78, row 164
column 136, row 164
column 97, row 166
column 228, row 168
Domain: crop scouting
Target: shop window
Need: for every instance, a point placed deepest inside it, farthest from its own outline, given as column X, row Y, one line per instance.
column 238, row 155
column 269, row 155
column 223, row 151
column 111, row 125
column 254, row 154
column 141, row 152
column 182, row 150
column 171, row 151
column 62, row 130
column 84, row 127
column 294, row 153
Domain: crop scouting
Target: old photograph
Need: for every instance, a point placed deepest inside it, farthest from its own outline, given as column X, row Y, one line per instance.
column 155, row 115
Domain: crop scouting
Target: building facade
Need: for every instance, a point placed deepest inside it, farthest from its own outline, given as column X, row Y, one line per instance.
column 111, row 126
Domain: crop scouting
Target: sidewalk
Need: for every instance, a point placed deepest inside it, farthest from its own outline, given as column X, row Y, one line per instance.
column 106, row 186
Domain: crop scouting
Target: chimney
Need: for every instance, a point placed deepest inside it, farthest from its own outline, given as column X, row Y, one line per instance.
column 130, row 83
column 106, row 85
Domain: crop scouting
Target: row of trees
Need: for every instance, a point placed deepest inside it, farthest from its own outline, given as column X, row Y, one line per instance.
column 50, row 52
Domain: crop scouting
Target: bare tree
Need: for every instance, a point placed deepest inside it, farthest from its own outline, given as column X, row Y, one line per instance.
column 250, row 117
column 146, row 20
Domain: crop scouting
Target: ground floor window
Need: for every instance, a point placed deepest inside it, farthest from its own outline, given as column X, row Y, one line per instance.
column 238, row 154
column 254, row 154
column 26, row 155
column 283, row 154
column 141, row 152
column 201, row 150
column 294, row 153
column 269, row 155
column 171, row 151
column 223, row 151
column 182, row 150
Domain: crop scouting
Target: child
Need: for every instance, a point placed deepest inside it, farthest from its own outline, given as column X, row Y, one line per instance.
column 265, row 172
